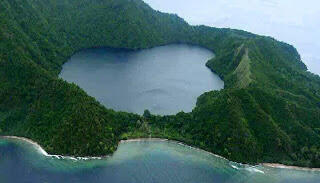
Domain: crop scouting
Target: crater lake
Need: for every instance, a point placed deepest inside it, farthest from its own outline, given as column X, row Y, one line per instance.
column 165, row 80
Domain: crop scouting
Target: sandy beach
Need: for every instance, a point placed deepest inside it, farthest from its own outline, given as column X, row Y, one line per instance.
column 42, row 151
column 36, row 145
column 277, row 165
column 272, row 165
column 171, row 141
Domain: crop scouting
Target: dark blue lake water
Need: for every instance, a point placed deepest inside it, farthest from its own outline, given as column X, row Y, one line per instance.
column 165, row 80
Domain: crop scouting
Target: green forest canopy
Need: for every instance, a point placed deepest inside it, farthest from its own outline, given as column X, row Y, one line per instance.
column 269, row 110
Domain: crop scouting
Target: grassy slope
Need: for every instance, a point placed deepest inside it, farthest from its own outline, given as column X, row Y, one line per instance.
column 268, row 111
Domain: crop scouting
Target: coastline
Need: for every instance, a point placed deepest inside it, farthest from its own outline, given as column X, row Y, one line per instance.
column 281, row 166
column 43, row 152
column 171, row 141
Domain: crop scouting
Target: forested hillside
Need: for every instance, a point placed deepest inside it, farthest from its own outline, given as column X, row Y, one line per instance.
column 269, row 110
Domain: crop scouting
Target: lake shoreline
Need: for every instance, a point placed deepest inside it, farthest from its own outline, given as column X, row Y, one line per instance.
column 176, row 89
column 43, row 152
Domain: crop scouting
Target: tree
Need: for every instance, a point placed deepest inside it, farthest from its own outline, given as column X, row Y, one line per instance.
column 147, row 114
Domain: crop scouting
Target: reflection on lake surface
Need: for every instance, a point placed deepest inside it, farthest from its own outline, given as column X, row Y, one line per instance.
column 165, row 80
column 136, row 162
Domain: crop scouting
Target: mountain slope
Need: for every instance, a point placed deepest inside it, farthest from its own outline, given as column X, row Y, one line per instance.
column 268, row 111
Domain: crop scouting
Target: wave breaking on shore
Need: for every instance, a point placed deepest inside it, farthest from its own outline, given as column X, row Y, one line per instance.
column 43, row 152
column 247, row 167
column 277, row 165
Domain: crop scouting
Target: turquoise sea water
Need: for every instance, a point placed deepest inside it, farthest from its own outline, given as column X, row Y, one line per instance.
column 148, row 161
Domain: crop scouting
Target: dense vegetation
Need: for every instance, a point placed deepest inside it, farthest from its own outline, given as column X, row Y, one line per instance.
column 269, row 110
